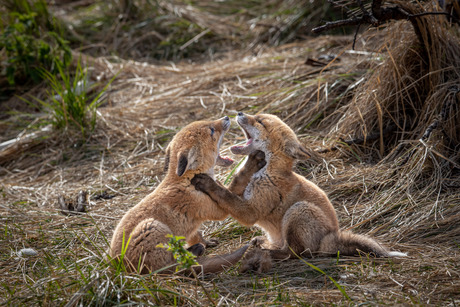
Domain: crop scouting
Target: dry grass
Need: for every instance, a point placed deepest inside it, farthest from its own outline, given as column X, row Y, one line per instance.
column 409, row 90
column 201, row 30
column 411, row 206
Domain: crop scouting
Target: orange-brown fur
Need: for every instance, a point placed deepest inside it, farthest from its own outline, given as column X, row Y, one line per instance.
column 175, row 207
column 294, row 212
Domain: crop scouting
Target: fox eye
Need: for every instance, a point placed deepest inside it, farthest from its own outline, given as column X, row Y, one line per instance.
column 212, row 131
column 260, row 122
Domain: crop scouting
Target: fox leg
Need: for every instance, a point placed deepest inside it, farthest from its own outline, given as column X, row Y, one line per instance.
column 237, row 206
column 304, row 226
column 142, row 254
column 254, row 163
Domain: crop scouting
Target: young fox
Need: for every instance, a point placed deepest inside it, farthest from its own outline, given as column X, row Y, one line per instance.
column 175, row 207
column 293, row 212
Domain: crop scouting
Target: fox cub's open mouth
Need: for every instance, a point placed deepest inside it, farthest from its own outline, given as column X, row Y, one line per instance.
column 247, row 148
column 223, row 161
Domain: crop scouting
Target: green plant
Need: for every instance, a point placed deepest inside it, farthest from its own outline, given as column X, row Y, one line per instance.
column 118, row 262
column 31, row 42
column 184, row 258
column 69, row 100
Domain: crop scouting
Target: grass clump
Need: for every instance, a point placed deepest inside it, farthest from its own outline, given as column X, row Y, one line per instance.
column 70, row 103
column 30, row 42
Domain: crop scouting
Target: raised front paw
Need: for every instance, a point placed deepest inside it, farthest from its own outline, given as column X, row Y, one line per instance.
column 256, row 160
column 203, row 182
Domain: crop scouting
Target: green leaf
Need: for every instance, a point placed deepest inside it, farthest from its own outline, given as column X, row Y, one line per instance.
column 10, row 70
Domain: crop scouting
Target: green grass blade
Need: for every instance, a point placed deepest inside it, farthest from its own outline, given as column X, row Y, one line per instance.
column 227, row 179
column 314, row 267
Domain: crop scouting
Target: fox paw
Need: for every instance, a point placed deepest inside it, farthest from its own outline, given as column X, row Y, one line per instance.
column 257, row 260
column 203, row 182
column 258, row 241
column 256, row 160
column 259, row 157
column 197, row 249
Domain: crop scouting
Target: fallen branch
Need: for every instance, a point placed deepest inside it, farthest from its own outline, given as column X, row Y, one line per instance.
column 378, row 16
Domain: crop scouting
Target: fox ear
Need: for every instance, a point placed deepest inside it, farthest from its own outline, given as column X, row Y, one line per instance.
column 186, row 161
column 167, row 159
column 297, row 151
column 182, row 165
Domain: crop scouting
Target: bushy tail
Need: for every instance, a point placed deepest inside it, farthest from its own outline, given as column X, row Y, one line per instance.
column 218, row 264
column 350, row 244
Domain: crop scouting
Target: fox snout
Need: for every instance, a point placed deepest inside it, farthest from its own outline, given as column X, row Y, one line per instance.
column 225, row 123
column 242, row 119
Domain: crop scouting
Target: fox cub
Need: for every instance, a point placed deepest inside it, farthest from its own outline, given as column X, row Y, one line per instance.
column 293, row 212
column 176, row 207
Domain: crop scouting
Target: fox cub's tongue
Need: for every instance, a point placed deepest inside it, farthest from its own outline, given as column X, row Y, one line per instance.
column 242, row 149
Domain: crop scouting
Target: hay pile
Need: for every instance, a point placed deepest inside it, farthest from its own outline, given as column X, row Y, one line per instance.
column 404, row 192
column 415, row 87
column 406, row 116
